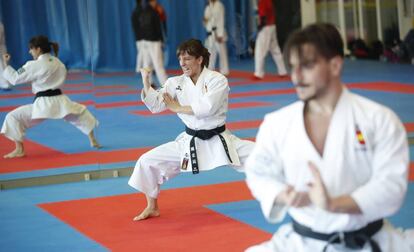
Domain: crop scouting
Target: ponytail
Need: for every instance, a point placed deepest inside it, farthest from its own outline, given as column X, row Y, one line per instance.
column 44, row 44
column 55, row 47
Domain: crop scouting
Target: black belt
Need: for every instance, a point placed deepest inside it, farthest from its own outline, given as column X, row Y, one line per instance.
column 212, row 30
column 49, row 92
column 352, row 239
column 204, row 135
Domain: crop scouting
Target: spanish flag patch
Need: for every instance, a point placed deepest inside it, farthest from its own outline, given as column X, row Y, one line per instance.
column 359, row 135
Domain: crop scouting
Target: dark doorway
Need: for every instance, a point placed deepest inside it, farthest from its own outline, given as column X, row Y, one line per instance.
column 288, row 18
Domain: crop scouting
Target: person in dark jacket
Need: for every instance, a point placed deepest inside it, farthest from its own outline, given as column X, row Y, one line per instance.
column 147, row 25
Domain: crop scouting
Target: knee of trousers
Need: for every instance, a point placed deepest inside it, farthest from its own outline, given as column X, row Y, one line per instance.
column 146, row 177
column 148, row 169
column 13, row 128
column 13, row 116
column 86, row 122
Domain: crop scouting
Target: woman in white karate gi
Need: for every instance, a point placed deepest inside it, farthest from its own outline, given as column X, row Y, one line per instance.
column 200, row 99
column 214, row 22
column 335, row 161
column 47, row 74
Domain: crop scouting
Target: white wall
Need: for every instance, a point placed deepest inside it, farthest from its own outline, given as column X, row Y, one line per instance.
column 405, row 23
column 308, row 12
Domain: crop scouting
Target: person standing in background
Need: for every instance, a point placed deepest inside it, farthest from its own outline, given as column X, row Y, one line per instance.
column 148, row 27
column 163, row 16
column 138, row 35
column 4, row 84
column 214, row 22
column 267, row 41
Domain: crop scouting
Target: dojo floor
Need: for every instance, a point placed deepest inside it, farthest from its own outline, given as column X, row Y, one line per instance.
column 212, row 211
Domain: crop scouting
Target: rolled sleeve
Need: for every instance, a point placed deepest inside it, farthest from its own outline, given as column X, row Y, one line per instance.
column 153, row 100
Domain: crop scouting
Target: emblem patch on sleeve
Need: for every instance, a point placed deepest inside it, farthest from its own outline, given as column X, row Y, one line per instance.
column 21, row 70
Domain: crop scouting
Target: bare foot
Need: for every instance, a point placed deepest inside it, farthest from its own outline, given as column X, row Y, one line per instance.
column 147, row 213
column 15, row 154
column 95, row 144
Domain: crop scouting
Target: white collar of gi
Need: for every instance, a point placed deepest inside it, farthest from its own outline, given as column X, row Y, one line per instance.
column 201, row 76
column 45, row 55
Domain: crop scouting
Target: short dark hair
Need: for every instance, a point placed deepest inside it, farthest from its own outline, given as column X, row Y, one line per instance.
column 323, row 36
column 195, row 48
column 44, row 44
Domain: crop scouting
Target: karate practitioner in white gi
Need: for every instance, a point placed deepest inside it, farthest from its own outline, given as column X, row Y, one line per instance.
column 47, row 74
column 335, row 161
column 214, row 22
column 4, row 84
column 200, row 98
column 267, row 41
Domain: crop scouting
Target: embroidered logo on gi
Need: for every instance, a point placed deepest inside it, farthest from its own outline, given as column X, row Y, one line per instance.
column 179, row 88
column 359, row 135
column 21, row 70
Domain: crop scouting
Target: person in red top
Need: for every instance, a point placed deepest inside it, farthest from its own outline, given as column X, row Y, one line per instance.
column 267, row 41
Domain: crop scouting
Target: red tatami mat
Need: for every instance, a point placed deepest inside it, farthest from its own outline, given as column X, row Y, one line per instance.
column 234, row 105
column 411, row 172
column 29, row 94
column 109, row 105
column 184, row 224
column 40, row 157
column 409, row 127
column 244, row 125
column 67, row 85
column 10, row 108
column 263, row 93
column 384, row 86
